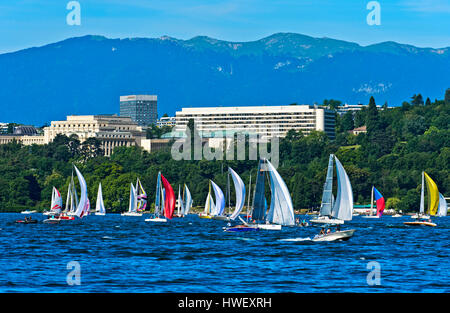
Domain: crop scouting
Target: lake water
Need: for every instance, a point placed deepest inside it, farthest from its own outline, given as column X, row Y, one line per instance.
column 126, row 254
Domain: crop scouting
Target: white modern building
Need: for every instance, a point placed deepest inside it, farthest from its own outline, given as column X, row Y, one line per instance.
column 342, row 109
column 166, row 121
column 265, row 121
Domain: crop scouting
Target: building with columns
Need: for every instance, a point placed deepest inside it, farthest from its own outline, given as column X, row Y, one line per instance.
column 111, row 130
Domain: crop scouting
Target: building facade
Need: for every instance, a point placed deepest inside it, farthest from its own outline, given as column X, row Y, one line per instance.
column 166, row 121
column 111, row 130
column 265, row 121
column 142, row 109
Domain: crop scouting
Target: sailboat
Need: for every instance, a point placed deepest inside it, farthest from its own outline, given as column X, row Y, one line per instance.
column 443, row 208
column 339, row 211
column 433, row 203
column 71, row 202
column 281, row 210
column 56, row 203
column 141, row 197
column 179, row 204
column 209, row 205
column 187, row 201
column 335, row 212
column 164, row 196
column 379, row 202
column 219, row 208
column 100, row 207
column 132, row 206
column 83, row 206
column 240, row 200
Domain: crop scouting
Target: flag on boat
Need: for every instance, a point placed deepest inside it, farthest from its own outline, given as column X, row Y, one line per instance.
column 380, row 201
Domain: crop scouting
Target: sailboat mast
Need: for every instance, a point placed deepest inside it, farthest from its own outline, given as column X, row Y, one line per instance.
column 371, row 202
column 229, row 192
column 249, row 191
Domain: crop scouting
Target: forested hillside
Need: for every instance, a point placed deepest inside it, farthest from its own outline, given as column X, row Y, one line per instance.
column 399, row 144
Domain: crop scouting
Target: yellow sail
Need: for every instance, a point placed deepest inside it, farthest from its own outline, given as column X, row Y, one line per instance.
column 433, row 195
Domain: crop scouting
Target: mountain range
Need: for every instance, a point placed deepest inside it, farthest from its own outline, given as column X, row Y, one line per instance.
column 86, row 75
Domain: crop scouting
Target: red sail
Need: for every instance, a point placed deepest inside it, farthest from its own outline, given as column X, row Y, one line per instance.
column 169, row 202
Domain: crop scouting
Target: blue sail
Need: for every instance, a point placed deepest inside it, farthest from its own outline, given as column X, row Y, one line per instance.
column 281, row 210
column 259, row 209
column 158, row 195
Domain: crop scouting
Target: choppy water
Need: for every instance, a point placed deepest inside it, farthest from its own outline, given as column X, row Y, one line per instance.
column 126, row 254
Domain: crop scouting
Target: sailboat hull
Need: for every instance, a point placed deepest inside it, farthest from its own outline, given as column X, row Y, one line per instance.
column 98, row 213
column 370, row 216
column 339, row 235
column 420, row 224
column 131, row 214
column 269, row 226
column 156, row 219
column 326, row 220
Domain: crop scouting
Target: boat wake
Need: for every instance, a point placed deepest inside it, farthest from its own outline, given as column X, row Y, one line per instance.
column 295, row 239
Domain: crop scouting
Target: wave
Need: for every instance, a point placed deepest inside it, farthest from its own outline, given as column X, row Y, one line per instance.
column 296, row 239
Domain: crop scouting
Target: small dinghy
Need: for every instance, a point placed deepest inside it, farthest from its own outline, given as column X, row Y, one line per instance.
column 27, row 221
column 433, row 203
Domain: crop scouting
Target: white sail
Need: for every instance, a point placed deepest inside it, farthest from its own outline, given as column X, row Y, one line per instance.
column 422, row 197
column 187, row 200
column 443, row 208
column 133, row 201
column 179, row 202
column 343, row 206
column 281, row 210
column 220, row 200
column 100, row 207
column 56, row 204
column 209, row 203
column 240, row 193
column 83, row 205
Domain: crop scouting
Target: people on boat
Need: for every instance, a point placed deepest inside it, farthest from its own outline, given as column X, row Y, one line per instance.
column 322, row 231
column 338, row 227
column 328, row 231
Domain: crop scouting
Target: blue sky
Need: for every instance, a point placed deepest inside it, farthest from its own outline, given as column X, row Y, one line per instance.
column 27, row 23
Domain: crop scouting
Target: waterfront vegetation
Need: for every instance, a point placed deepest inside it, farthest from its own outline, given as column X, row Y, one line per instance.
column 399, row 144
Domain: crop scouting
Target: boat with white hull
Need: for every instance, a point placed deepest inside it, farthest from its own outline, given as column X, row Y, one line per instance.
column 164, row 201
column 337, row 235
column 434, row 203
column 379, row 203
column 281, row 209
column 333, row 211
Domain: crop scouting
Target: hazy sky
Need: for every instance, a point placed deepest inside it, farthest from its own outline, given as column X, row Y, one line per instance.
column 27, row 23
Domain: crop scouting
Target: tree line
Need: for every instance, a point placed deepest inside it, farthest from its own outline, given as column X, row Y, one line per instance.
column 400, row 143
